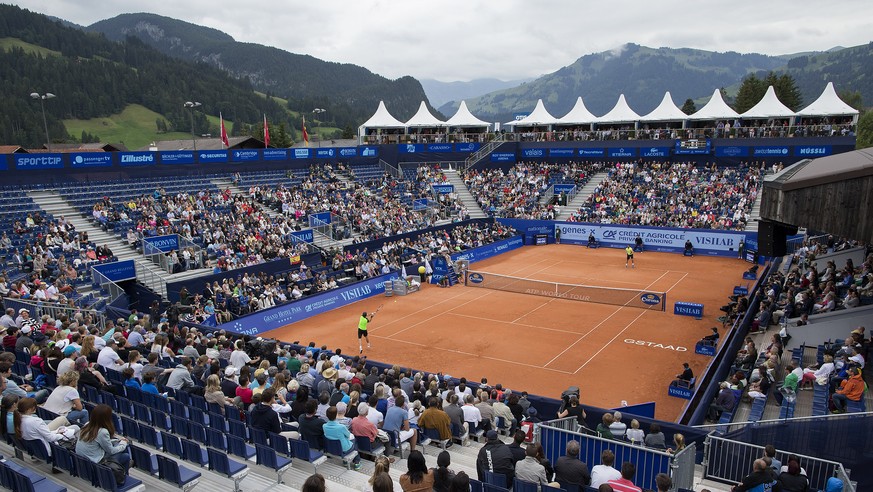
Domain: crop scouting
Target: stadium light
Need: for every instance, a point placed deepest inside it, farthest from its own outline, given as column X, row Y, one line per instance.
column 191, row 106
column 318, row 111
column 42, row 98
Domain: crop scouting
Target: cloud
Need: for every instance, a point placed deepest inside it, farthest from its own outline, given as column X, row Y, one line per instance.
column 463, row 40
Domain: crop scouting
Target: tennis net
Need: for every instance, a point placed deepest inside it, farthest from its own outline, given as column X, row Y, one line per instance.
column 644, row 299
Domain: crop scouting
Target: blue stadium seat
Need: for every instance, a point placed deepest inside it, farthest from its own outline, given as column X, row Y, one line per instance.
column 267, row 457
column 176, row 474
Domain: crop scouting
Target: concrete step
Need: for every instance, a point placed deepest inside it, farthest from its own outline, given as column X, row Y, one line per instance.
column 582, row 196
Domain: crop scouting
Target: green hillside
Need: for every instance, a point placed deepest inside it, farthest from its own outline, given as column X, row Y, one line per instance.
column 134, row 127
column 9, row 44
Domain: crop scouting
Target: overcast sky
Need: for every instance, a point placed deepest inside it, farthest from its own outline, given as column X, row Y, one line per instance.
column 504, row 39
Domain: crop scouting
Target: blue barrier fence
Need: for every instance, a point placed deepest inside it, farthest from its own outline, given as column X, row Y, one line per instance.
column 554, row 436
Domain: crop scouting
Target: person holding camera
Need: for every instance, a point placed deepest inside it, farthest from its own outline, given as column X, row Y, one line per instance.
column 572, row 408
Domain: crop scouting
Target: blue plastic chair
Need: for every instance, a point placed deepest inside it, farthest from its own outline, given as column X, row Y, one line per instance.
column 216, row 439
column 238, row 447
column 525, row 486
column 194, row 453
column 62, row 459
column 280, row 444
column 142, row 459
column 220, row 463
column 367, row 448
column 302, row 451
column 172, row 472
column 106, row 480
column 334, row 448
column 267, row 457
column 172, row 444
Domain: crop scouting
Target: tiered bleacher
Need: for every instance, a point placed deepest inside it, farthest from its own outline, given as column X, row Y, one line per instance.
column 674, row 195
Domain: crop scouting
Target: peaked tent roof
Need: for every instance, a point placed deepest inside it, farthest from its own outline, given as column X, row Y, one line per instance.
column 715, row 109
column 538, row 117
column 578, row 115
column 769, row 107
column 382, row 119
column 463, row 117
column 620, row 113
column 424, row 118
column 827, row 104
column 666, row 111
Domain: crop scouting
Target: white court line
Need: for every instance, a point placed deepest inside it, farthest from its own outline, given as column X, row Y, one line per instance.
column 480, row 318
column 441, row 313
column 609, row 342
column 601, row 323
column 626, row 327
column 513, row 362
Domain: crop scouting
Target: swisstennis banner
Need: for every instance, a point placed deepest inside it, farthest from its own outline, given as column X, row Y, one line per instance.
column 671, row 240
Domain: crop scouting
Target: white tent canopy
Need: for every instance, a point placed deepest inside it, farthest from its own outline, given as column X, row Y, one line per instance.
column 620, row 113
column 579, row 115
column 715, row 109
column 464, row 118
column 666, row 111
column 382, row 119
column 828, row 104
column 424, row 119
column 769, row 107
column 538, row 117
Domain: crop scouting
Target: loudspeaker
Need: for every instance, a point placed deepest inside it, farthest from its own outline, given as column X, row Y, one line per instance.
column 772, row 238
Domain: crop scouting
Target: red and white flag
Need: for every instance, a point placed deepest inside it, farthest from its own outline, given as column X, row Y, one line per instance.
column 266, row 133
column 224, row 140
column 305, row 135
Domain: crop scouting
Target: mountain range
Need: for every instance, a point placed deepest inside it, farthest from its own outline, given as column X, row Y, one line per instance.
column 643, row 74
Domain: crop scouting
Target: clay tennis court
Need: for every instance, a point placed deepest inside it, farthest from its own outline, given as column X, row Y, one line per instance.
column 541, row 344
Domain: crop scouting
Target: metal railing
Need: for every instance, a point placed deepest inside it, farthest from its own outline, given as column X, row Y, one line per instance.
column 728, row 461
column 147, row 277
column 555, row 434
column 55, row 311
column 115, row 291
column 483, row 151
column 388, row 168
column 587, row 132
column 795, row 243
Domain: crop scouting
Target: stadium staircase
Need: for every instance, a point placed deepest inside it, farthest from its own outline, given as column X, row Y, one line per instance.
column 755, row 214
column 484, row 151
column 228, row 184
column 582, row 196
column 465, row 196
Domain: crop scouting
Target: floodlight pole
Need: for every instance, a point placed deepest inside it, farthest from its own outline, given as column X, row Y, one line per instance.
column 191, row 105
column 318, row 111
column 42, row 98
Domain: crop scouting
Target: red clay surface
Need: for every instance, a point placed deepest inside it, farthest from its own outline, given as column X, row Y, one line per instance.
column 543, row 345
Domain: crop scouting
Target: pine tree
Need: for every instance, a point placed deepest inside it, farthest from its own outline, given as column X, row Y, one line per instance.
column 689, row 107
column 750, row 93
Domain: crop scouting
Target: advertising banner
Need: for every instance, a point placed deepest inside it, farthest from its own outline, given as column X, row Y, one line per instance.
column 410, row 148
column 304, row 236
column 245, row 155
column 564, row 188
column 732, row 151
column 163, row 244
column 655, row 152
column 275, row 154
column 623, row 152
column 137, row 158
column 533, row 153
column 307, row 307
column 301, row 153
column 325, row 153
column 35, row 162
column 562, row 152
column 813, row 150
column 692, row 309
column 444, row 189
column 369, row 151
column 206, row 156
column 177, row 157
column 770, row 151
column 467, row 147
column 319, row 219
column 351, row 151
column 490, row 250
column 502, row 157
column 116, row 271
column 439, row 147
column 419, row 204
column 592, row 152
column 91, row 159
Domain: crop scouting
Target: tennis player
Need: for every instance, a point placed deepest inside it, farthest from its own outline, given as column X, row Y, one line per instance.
column 630, row 256
column 362, row 330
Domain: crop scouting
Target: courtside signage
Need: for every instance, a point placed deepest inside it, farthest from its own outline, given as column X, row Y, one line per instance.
column 275, row 154
column 592, row 152
column 164, row 244
column 741, row 291
column 444, row 189
column 476, row 278
column 28, row 162
column 680, row 392
column 305, row 236
column 502, row 157
column 439, row 147
column 212, row 156
column 245, row 155
column 467, row 147
column 177, row 157
column 770, row 151
column 301, row 153
column 325, row 153
column 137, row 158
column 813, row 150
column 490, row 250
column 655, row 152
column 319, row 219
column 650, row 299
column 561, row 152
column 270, row 319
column 692, row 309
column 623, row 152
column 529, row 153
column 704, row 349
column 116, row 271
column 410, row 148
column 91, row 159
